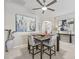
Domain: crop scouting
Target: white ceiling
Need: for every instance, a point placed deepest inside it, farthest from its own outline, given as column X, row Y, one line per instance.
column 61, row 6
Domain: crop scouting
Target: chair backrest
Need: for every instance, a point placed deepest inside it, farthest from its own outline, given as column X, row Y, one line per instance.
column 53, row 39
column 31, row 40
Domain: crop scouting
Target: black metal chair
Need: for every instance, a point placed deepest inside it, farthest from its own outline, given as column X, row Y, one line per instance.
column 51, row 45
column 33, row 45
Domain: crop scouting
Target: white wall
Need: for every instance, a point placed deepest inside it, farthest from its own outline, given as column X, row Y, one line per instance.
column 67, row 16
column 10, row 10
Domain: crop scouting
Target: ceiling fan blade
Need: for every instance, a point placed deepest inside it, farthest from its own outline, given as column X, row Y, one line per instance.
column 44, row 1
column 36, row 8
column 50, row 9
column 39, row 2
column 43, row 12
column 51, row 3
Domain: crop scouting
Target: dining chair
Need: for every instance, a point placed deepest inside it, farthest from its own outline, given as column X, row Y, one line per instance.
column 51, row 45
column 33, row 43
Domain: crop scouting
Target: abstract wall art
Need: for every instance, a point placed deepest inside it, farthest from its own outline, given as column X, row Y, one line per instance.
column 63, row 26
column 66, row 25
column 25, row 23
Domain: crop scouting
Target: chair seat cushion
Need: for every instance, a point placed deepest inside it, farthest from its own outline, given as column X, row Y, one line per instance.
column 47, row 43
column 36, row 42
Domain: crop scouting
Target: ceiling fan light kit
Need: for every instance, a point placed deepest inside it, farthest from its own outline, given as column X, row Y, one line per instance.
column 44, row 6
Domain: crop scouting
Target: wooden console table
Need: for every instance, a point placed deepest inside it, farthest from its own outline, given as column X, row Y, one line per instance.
column 70, row 36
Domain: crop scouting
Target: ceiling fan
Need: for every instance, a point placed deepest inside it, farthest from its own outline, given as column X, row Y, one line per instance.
column 44, row 6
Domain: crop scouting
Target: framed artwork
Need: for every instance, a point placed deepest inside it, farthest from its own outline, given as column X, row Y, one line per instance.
column 66, row 25
column 25, row 23
column 63, row 25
